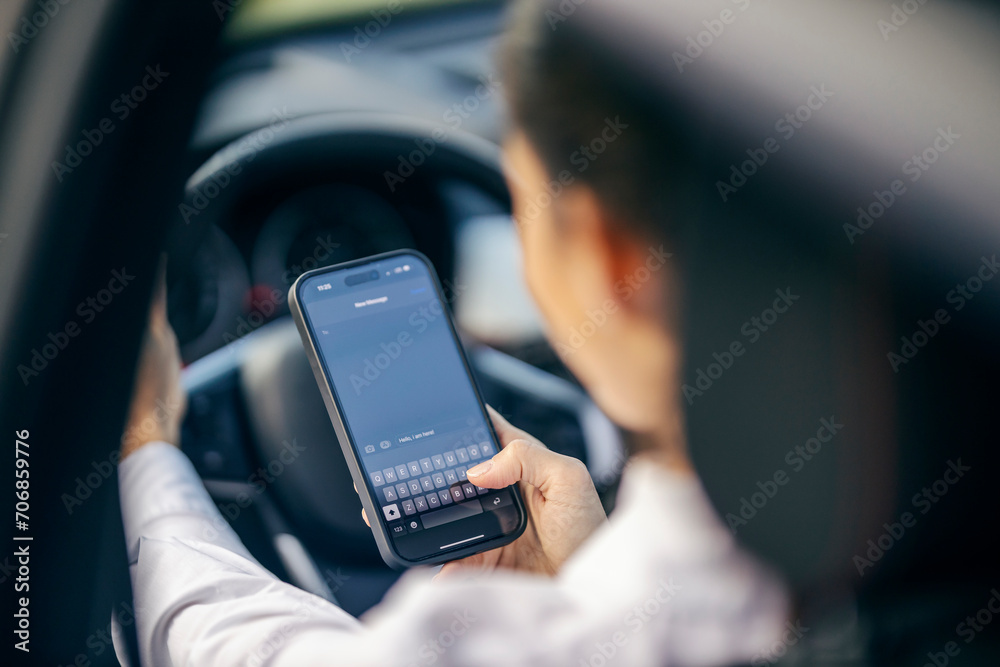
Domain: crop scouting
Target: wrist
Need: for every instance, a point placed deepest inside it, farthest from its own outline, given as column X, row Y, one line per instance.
column 143, row 429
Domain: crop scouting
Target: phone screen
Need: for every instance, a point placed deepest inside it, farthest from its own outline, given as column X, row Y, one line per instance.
column 409, row 405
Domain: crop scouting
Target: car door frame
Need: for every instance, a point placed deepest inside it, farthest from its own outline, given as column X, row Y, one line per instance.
column 92, row 228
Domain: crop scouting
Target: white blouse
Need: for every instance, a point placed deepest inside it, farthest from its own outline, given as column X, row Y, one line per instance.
column 662, row 583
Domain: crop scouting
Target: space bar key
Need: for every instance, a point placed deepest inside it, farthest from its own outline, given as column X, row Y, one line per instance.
column 449, row 514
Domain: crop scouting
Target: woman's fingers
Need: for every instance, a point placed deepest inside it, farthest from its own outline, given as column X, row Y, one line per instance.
column 529, row 462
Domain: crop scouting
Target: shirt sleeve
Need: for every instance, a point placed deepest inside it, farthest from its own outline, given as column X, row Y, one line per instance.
column 200, row 596
column 202, row 599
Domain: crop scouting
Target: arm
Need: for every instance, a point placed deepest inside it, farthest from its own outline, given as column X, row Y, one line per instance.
column 200, row 597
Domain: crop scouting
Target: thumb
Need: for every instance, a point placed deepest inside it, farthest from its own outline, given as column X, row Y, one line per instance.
column 524, row 461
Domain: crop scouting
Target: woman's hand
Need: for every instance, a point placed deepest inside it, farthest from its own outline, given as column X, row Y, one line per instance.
column 562, row 503
column 158, row 400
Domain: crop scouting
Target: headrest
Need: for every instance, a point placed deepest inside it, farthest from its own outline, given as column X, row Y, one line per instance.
column 836, row 354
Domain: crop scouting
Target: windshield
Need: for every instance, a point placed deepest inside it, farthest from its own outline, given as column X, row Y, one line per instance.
column 263, row 18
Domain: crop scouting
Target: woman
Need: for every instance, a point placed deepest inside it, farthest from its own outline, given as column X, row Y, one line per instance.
column 661, row 582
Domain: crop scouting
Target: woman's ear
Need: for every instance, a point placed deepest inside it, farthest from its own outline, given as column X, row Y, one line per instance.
column 610, row 261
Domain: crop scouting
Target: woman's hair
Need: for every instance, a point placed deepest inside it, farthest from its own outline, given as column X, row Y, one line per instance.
column 583, row 117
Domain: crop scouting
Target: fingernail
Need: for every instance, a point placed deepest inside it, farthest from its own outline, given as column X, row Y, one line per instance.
column 481, row 469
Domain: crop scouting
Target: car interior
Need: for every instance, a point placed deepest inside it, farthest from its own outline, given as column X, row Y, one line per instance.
column 279, row 137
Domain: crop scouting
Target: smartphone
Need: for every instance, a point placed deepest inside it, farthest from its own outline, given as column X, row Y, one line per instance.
column 405, row 407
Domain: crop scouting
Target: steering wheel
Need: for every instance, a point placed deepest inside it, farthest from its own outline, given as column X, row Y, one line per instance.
column 257, row 429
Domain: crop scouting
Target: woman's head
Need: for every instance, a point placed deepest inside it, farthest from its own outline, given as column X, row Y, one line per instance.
column 593, row 195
